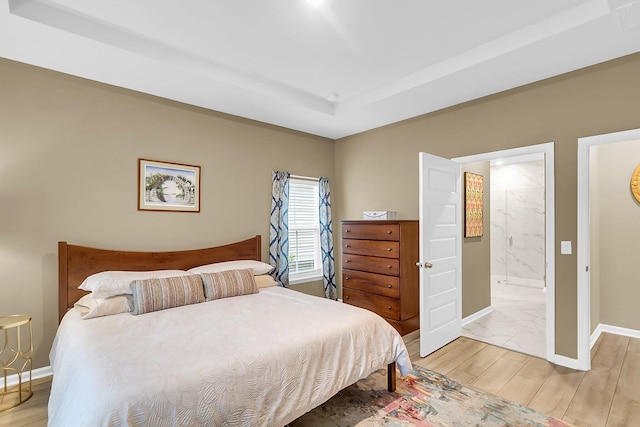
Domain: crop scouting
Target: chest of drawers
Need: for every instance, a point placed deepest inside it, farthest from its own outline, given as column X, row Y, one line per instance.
column 379, row 271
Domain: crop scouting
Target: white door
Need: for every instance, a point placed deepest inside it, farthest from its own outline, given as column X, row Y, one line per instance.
column 440, row 252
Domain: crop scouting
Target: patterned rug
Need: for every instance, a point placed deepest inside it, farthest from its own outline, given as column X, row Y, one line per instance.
column 423, row 398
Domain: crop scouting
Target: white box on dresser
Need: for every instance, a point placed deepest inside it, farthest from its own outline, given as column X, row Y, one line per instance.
column 379, row 215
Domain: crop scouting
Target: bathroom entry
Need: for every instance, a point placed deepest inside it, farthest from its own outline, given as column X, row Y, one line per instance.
column 517, row 318
column 518, row 253
column 498, row 324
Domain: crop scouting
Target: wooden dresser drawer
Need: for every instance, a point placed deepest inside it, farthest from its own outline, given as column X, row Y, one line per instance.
column 380, row 284
column 371, row 264
column 378, row 269
column 379, row 248
column 371, row 231
column 384, row 306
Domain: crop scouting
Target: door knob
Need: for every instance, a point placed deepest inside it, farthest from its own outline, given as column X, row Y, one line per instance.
column 425, row 264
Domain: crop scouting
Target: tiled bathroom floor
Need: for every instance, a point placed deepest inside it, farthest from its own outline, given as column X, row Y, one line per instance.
column 517, row 321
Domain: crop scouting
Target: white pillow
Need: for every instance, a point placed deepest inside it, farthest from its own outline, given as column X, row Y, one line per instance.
column 111, row 283
column 95, row 307
column 265, row 281
column 242, row 264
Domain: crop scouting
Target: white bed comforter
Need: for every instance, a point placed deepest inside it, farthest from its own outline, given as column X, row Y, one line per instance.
column 255, row 360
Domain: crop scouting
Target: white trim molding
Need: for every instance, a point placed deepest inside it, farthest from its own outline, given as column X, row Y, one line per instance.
column 36, row 374
column 477, row 315
column 567, row 362
column 617, row 330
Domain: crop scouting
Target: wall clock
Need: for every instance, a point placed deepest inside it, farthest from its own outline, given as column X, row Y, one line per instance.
column 635, row 184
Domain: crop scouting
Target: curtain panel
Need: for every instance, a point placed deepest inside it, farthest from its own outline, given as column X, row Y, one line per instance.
column 278, row 231
column 326, row 240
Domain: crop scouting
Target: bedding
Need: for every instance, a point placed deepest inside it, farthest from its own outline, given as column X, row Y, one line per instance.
column 258, row 267
column 262, row 359
column 227, row 284
column 90, row 307
column 265, row 281
column 150, row 295
column 111, row 283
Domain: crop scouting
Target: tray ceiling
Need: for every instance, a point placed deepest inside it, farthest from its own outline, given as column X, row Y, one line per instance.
column 333, row 69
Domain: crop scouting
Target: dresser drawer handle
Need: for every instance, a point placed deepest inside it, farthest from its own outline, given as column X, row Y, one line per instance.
column 347, row 297
column 347, row 278
column 389, row 231
column 389, row 286
column 389, row 249
column 347, row 261
column 389, row 307
column 347, row 246
column 388, row 266
column 347, row 230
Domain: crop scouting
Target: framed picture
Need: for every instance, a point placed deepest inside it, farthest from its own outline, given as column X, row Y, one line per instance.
column 473, row 199
column 165, row 186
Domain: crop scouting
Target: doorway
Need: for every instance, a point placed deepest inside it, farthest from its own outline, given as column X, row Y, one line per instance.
column 517, row 320
column 584, row 237
column 547, row 298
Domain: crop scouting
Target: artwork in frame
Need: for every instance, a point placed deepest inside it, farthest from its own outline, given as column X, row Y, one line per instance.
column 473, row 197
column 166, row 186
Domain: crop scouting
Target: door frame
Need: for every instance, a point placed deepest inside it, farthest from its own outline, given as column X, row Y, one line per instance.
column 550, row 272
column 584, row 237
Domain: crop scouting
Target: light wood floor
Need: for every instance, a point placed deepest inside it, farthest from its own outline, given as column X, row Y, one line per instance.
column 608, row 395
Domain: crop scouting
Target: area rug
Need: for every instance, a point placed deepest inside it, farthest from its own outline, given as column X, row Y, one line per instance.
column 423, row 398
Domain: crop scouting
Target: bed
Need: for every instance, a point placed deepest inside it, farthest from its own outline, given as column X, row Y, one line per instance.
column 264, row 358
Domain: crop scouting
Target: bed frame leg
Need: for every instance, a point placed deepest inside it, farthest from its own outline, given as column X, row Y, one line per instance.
column 391, row 376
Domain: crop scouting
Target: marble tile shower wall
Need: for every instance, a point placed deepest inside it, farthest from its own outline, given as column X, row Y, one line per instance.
column 517, row 216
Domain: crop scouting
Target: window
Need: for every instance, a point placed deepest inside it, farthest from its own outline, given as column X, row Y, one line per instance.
column 304, row 231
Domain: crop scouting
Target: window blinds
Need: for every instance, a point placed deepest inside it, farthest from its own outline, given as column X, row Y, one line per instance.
column 304, row 226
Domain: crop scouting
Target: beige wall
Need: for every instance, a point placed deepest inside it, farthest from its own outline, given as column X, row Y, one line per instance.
column 378, row 169
column 69, row 152
column 614, row 218
column 476, row 252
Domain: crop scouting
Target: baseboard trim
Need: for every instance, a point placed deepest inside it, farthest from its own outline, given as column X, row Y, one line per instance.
column 477, row 315
column 567, row 362
column 36, row 374
column 617, row 330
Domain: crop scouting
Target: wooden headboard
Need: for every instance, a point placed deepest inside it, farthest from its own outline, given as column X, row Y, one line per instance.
column 76, row 263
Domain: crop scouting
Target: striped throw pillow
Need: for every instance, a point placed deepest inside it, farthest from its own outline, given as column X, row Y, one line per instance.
column 230, row 283
column 158, row 294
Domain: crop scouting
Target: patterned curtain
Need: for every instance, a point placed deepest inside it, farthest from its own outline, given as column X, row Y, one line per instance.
column 279, row 231
column 326, row 240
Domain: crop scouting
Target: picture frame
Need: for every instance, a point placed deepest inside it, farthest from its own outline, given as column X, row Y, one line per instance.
column 168, row 186
column 473, row 206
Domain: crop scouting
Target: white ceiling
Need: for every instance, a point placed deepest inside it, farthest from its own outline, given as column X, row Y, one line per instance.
column 333, row 70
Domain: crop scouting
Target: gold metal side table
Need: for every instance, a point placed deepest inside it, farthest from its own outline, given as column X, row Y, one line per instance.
column 15, row 359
